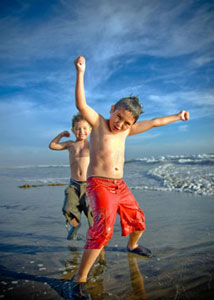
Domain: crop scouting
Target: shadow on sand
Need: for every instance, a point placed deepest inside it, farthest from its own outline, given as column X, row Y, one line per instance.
column 63, row 285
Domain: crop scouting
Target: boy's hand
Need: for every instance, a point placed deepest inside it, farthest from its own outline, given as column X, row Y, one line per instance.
column 184, row 115
column 80, row 64
column 65, row 133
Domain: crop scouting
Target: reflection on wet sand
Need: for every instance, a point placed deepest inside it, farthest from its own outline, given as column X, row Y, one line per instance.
column 7, row 274
column 72, row 265
column 138, row 289
column 95, row 284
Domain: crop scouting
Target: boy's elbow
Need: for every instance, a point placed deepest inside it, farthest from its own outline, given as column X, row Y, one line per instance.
column 81, row 108
column 156, row 122
column 50, row 146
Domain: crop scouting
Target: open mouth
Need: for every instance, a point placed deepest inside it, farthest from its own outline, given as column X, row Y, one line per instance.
column 115, row 128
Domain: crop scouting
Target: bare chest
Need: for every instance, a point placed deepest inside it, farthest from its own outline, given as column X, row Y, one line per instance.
column 113, row 143
column 78, row 151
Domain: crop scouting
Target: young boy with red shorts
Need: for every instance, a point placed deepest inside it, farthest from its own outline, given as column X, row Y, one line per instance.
column 108, row 194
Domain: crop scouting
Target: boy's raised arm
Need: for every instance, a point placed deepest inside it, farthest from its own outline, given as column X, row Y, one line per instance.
column 88, row 113
column 142, row 126
column 56, row 145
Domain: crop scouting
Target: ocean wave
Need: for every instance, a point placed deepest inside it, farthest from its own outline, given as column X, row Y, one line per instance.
column 183, row 173
column 180, row 159
column 195, row 180
column 193, row 188
column 42, row 166
column 176, row 159
column 147, row 160
column 45, row 181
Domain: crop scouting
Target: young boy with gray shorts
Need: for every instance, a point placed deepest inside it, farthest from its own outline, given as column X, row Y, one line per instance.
column 76, row 200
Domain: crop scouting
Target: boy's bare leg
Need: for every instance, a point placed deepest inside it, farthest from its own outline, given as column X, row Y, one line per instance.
column 133, row 246
column 133, row 239
column 74, row 222
column 102, row 256
column 88, row 259
column 74, row 226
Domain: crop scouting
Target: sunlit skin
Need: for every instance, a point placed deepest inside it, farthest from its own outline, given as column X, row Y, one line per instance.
column 108, row 141
column 107, row 149
column 78, row 152
column 81, row 130
column 120, row 120
column 78, row 149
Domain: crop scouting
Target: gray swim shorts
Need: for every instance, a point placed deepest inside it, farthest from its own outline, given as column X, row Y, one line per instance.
column 76, row 202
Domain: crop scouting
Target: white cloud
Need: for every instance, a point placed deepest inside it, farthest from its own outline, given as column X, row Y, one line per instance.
column 24, row 122
column 199, row 102
column 183, row 128
column 107, row 32
column 203, row 60
column 144, row 136
column 107, row 29
column 37, row 60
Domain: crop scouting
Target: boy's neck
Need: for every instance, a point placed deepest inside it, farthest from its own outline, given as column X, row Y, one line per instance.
column 79, row 140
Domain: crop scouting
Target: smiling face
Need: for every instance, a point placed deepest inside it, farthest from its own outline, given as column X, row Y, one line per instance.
column 120, row 120
column 81, row 130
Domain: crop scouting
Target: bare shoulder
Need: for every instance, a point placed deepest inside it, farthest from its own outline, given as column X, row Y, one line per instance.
column 141, row 126
column 101, row 123
column 69, row 143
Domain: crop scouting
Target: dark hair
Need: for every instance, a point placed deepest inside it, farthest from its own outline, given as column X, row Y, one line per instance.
column 77, row 118
column 131, row 104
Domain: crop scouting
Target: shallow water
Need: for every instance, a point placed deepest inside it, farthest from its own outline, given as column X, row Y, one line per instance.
column 36, row 259
column 189, row 174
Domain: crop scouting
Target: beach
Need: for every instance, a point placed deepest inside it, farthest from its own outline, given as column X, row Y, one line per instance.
column 37, row 261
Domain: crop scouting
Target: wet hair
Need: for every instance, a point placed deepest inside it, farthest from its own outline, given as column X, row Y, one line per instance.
column 77, row 118
column 131, row 104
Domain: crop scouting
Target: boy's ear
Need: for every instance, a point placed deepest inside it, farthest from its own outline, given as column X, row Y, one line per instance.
column 72, row 130
column 112, row 109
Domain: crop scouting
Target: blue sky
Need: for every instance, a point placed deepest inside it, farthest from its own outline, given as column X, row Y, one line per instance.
column 161, row 51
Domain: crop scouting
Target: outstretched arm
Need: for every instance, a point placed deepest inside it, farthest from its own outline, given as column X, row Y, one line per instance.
column 146, row 125
column 88, row 113
column 56, row 145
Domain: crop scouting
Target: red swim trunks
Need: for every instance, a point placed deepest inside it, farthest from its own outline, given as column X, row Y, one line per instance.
column 107, row 197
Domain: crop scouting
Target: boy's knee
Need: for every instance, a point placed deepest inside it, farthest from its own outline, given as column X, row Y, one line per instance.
column 138, row 231
column 97, row 238
column 108, row 233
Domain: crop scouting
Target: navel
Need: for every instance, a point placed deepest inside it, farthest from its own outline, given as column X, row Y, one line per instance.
column 116, row 169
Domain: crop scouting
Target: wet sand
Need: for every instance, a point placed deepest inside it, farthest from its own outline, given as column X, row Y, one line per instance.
column 36, row 259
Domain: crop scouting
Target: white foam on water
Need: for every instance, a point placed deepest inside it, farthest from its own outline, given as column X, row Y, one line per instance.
column 182, row 173
column 192, row 174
